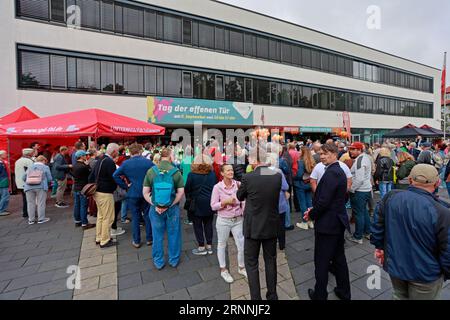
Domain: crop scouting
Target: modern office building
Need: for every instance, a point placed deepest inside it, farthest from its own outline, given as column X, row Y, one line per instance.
column 173, row 62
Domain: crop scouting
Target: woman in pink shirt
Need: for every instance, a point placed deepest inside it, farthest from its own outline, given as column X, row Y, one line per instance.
column 229, row 219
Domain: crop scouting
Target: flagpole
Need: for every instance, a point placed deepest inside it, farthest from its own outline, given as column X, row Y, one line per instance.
column 443, row 95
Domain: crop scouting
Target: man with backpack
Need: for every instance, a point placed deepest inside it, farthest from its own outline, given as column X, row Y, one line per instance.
column 163, row 189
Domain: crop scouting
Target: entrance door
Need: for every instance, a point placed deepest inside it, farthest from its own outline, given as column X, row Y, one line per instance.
column 376, row 138
column 356, row 137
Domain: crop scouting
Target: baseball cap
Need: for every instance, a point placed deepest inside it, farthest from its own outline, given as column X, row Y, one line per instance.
column 424, row 173
column 356, row 145
column 426, row 144
column 80, row 153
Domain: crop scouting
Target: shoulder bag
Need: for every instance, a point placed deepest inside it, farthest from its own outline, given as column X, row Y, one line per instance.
column 89, row 189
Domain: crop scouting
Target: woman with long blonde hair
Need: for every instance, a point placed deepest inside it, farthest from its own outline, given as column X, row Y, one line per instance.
column 302, row 185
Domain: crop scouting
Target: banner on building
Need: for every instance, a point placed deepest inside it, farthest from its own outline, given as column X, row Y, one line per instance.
column 166, row 110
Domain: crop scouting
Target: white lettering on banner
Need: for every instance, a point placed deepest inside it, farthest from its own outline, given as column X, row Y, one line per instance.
column 43, row 130
column 133, row 130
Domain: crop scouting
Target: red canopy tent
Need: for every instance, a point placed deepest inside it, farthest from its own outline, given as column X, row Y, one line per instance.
column 21, row 114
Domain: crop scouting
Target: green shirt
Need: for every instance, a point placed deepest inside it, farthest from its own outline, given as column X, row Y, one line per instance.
column 164, row 166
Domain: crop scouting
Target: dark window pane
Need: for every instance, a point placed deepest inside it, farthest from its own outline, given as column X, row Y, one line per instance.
column 369, row 72
column 187, row 84
column 150, row 79
column 220, row 38
column 133, row 21
column 375, row 74
column 90, row 13
column 286, row 94
column 324, row 99
column 88, row 74
column 195, row 33
column 204, row 85
column 33, row 8
column 35, row 70
column 324, row 57
column 172, row 82
column 206, row 35
column 71, row 73
column 340, row 66
column 306, row 57
column 58, row 10
column 159, row 26
column 150, row 24
column 296, row 58
column 315, row 97
column 315, row 60
column 59, row 71
column 172, row 28
column 248, row 49
column 118, row 18
column 160, row 81
column 340, row 101
column 107, row 15
column 333, row 63
column 119, row 78
column 286, row 51
column 248, row 90
column 262, row 47
column 187, row 31
column 227, row 40
column 133, row 78
column 220, row 90
column 274, row 50
column 107, row 76
column 306, row 100
column 234, row 88
column 275, row 93
column 348, row 68
column 261, row 91
column 237, row 42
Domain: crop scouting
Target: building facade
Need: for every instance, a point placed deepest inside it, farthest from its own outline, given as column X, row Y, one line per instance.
column 180, row 61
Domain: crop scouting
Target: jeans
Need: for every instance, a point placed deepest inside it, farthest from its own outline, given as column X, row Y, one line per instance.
column 203, row 229
column 36, row 200
column 124, row 210
column 167, row 221
column 360, row 201
column 224, row 226
column 80, row 208
column 139, row 208
column 304, row 196
column 407, row 290
column 385, row 187
column 24, row 204
column 4, row 199
column 54, row 187
column 448, row 188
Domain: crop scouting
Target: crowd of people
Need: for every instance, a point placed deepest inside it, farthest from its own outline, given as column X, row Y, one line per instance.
column 252, row 192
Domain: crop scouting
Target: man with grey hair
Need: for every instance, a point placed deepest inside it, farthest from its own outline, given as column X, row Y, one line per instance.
column 106, row 185
column 316, row 151
column 20, row 168
column 413, row 150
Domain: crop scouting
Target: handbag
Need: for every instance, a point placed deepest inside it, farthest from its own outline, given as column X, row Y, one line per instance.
column 89, row 189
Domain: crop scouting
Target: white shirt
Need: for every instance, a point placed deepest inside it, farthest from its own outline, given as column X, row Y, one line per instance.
column 319, row 170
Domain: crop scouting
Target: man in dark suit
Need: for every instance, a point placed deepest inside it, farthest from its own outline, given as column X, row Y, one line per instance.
column 260, row 189
column 331, row 220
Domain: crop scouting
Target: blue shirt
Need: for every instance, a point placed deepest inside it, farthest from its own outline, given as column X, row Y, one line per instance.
column 46, row 177
column 134, row 169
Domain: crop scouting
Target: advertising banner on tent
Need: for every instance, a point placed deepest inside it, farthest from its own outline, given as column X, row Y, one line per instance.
column 165, row 110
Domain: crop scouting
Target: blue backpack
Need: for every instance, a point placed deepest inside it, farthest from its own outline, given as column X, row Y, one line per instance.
column 163, row 191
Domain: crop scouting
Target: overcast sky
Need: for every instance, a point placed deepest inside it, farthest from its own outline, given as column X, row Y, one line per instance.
column 414, row 29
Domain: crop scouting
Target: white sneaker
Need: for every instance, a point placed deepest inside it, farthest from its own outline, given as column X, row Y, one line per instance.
column 302, row 225
column 242, row 272
column 227, row 276
column 44, row 220
column 118, row 232
column 310, row 224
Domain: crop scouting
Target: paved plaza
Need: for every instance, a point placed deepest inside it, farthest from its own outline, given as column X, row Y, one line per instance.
column 35, row 264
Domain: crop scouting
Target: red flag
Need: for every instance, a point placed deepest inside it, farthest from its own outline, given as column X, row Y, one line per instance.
column 443, row 80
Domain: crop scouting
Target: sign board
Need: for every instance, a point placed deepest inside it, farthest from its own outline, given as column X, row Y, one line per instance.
column 166, row 110
column 315, row 129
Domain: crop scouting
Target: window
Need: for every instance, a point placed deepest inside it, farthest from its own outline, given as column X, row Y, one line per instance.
column 286, row 51
column 275, row 93
column 362, row 71
column 369, row 104
column 324, row 57
column 296, row 58
column 324, row 99
column 296, row 95
column 368, row 72
column 306, row 57
column 159, row 26
column 341, row 66
column 133, row 21
column 195, row 41
column 306, row 100
column 348, row 67
column 107, row 76
column 160, row 81
column 150, row 24
column 107, row 15
column 340, row 101
column 150, row 80
column 71, row 73
column 248, row 90
column 248, row 44
column 286, row 94
column 236, row 42
column 187, row 31
column 172, row 82
column 203, row 85
column 333, row 63
column 220, row 39
column 133, row 78
column 119, row 88
column 315, row 98
column 381, row 105
column 392, row 106
column 88, row 74
column 356, row 69
column 59, row 71
column 261, row 89
column 206, row 35
column 220, row 90
column 315, row 59
column 90, row 13
column 262, row 45
column 33, row 8
column 274, row 50
column 58, row 10
column 35, row 70
column 227, row 40
column 172, row 28
column 234, row 88
column 118, row 18
column 375, row 74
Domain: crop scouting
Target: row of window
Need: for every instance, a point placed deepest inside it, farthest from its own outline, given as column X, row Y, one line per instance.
column 63, row 72
column 114, row 16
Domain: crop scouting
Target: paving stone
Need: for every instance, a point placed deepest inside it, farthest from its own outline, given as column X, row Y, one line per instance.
column 387, row 295
column 44, row 258
column 21, row 248
column 288, row 287
column 146, row 291
column 3, row 285
column 183, row 280
column 87, row 285
column 108, row 280
column 4, row 266
column 98, row 270
column 303, row 273
column 238, row 289
column 208, row 289
column 181, row 294
column 30, row 280
column 90, row 262
column 109, row 258
column 357, row 294
column 209, row 273
column 354, row 253
column 109, row 293
column 17, row 273
column 12, row 243
column 58, row 264
column 6, row 257
column 130, row 281
column 159, row 275
column 193, row 265
column 126, row 258
column 32, row 253
column 12, row 295
column 362, row 285
column 223, row 296
column 135, row 267
column 65, row 295
column 303, row 244
column 45, row 289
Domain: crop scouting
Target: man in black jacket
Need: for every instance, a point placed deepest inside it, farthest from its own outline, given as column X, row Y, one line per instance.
column 331, row 220
column 260, row 189
column 80, row 173
column 106, row 185
column 238, row 163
